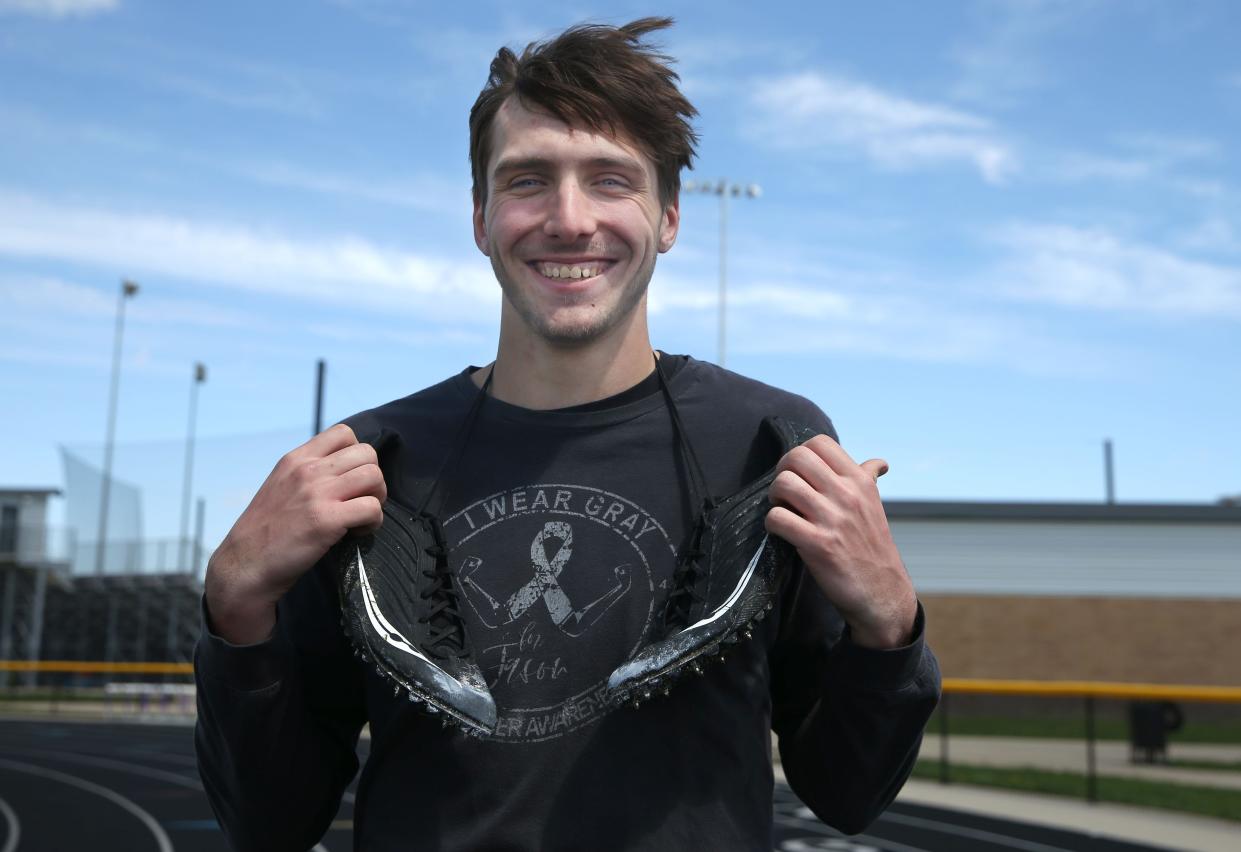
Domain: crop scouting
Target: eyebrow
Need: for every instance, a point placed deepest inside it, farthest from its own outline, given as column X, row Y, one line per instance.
column 542, row 164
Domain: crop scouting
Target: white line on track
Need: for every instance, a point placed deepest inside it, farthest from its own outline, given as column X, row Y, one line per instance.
column 815, row 825
column 975, row 833
column 109, row 763
column 15, row 827
column 138, row 769
column 887, row 845
column 161, row 837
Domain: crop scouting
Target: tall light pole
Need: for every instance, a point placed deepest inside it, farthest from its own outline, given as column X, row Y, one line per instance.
column 723, row 188
column 200, row 376
column 320, row 371
column 128, row 289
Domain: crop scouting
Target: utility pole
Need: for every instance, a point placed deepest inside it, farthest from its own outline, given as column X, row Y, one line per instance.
column 1108, row 476
column 128, row 289
column 183, row 560
column 723, row 189
column 321, row 369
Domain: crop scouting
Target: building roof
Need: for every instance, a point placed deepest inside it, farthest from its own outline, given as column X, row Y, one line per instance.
column 947, row 510
column 31, row 492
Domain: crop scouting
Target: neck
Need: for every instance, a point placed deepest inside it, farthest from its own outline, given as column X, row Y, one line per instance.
column 536, row 374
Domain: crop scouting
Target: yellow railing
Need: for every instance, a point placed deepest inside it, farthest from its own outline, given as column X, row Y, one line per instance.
column 1092, row 689
column 1089, row 691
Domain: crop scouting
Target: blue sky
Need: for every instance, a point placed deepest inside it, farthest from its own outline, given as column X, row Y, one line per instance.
column 991, row 234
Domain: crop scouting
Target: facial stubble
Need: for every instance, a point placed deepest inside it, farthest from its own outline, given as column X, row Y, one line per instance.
column 576, row 333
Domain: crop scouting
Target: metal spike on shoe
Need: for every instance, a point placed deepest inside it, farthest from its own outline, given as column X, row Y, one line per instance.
column 727, row 578
column 398, row 599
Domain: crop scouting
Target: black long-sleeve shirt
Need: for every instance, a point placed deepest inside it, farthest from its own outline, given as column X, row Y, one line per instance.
column 279, row 721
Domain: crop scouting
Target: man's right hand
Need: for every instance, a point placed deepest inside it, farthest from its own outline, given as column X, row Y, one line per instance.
column 315, row 495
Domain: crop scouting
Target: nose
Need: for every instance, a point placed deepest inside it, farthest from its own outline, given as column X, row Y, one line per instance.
column 571, row 214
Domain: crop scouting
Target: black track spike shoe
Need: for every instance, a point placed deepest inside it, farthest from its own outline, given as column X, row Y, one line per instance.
column 726, row 579
column 400, row 607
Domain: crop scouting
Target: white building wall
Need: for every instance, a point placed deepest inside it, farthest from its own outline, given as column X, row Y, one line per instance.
column 1113, row 559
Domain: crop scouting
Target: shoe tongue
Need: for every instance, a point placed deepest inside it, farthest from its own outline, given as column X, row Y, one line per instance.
column 685, row 576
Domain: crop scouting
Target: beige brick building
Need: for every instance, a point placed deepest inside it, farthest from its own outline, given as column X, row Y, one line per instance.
column 1127, row 593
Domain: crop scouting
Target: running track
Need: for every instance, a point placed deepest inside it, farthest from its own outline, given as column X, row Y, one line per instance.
column 134, row 788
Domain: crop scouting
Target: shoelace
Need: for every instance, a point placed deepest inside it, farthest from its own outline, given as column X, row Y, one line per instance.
column 446, row 637
column 684, row 592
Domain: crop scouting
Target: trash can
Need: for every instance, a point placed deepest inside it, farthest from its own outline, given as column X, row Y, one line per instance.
column 1150, row 722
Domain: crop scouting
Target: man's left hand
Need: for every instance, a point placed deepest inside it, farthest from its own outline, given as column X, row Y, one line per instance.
column 828, row 507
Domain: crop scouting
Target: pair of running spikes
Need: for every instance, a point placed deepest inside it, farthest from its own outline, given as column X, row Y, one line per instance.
column 400, row 604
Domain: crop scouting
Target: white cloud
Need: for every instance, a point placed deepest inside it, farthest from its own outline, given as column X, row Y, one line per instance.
column 1170, row 150
column 1159, row 158
column 59, row 8
column 1083, row 268
column 342, row 270
column 426, row 191
column 1076, row 165
column 811, row 111
column 251, row 90
column 1002, row 59
column 429, row 193
column 1214, row 234
column 872, row 318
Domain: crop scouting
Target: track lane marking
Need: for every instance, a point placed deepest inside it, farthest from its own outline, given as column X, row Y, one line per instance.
column 15, row 827
column 150, row 772
column 118, row 765
column 883, row 843
column 974, row 833
column 157, row 831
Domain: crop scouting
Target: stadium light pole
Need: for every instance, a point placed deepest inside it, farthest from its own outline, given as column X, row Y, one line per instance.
column 128, row 290
column 723, row 188
column 200, row 376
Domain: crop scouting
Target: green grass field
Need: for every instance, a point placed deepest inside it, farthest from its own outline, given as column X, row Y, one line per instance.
column 1200, row 800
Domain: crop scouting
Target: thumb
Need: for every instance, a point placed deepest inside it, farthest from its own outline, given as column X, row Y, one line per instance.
column 875, row 467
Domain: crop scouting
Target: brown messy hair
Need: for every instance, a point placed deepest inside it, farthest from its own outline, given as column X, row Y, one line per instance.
column 601, row 78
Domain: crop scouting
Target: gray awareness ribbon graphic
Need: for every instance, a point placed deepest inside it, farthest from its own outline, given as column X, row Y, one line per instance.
column 544, row 585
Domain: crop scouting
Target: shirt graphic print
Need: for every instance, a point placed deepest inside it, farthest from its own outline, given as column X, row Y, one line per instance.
column 560, row 583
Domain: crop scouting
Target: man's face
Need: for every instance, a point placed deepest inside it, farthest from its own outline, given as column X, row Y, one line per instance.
column 572, row 224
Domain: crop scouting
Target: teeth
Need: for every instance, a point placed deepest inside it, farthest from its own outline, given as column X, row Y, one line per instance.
column 552, row 271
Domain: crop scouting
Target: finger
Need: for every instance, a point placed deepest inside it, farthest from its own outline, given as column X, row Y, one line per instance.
column 875, row 468
column 832, row 453
column 364, row 514
column 348, row 458
column 792, row 492
column 789, row 526
column 329, row 441
column 810, row 466
column 361, row 481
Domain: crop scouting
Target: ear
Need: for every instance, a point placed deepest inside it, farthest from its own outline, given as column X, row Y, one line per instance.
column 670, row 223
column 480, row 227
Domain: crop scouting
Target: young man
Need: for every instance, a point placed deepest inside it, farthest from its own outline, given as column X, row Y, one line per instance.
column 562, row 493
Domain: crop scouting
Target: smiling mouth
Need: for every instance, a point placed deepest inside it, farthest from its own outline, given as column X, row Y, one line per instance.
column 562, row 271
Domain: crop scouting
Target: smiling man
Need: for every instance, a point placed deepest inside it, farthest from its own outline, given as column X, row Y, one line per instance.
column 571, row 592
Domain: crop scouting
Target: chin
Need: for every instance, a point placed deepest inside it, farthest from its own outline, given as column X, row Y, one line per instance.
column 575, row 325
column 574, row 331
